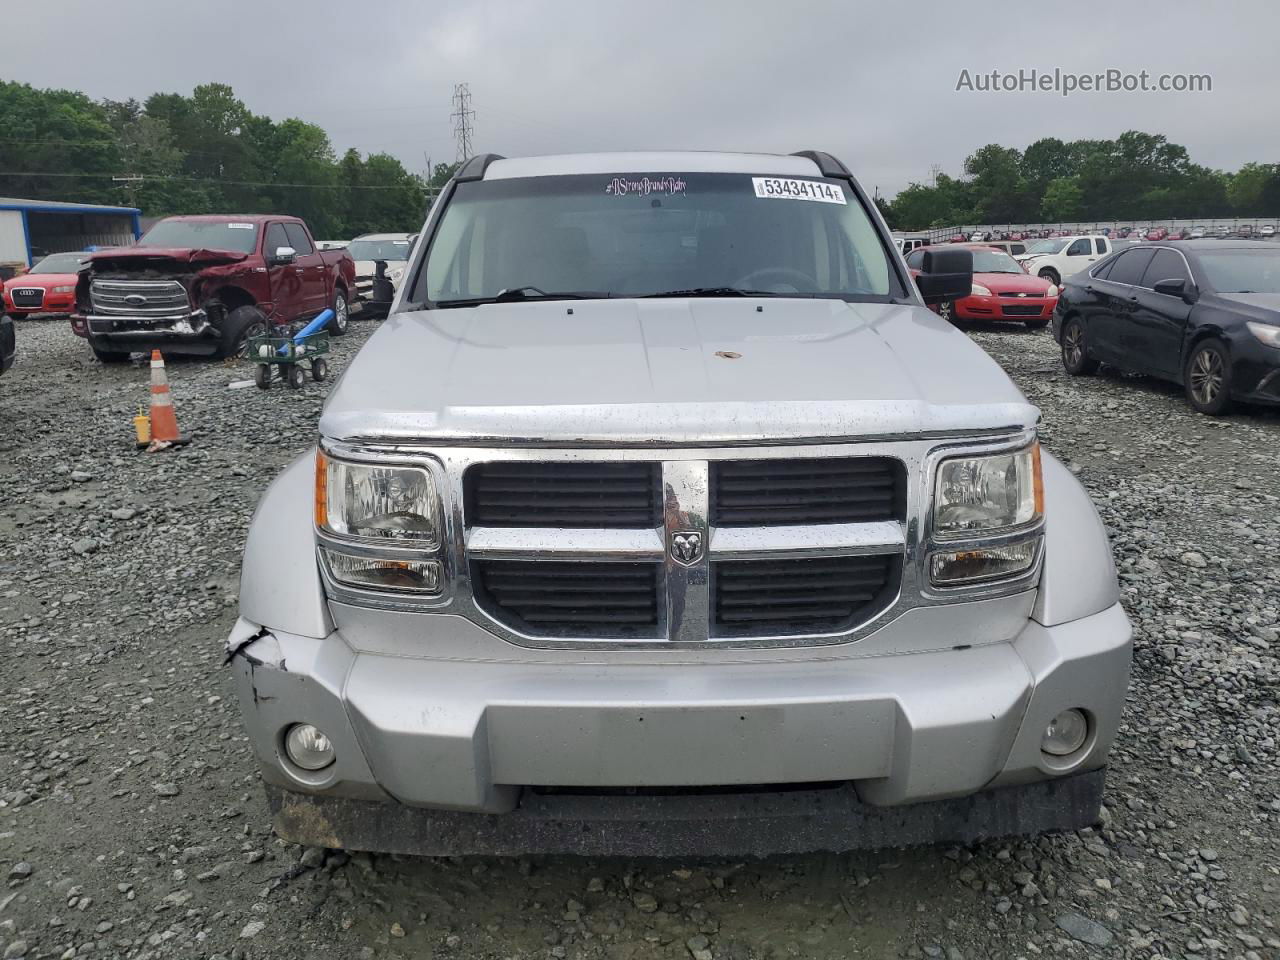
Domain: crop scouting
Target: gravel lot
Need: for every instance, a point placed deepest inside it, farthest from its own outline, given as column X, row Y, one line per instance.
column 132, row 823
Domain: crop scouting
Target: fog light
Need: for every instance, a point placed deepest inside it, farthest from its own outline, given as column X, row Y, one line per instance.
column 307, row 747
column 959, row 567
column 1065, row 734
column 402, row 576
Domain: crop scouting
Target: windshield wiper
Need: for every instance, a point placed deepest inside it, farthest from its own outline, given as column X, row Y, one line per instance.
column 721, row 292
column 526, row 293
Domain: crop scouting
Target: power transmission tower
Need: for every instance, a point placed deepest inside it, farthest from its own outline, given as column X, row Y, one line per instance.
column 462, row 117
column 934, row 170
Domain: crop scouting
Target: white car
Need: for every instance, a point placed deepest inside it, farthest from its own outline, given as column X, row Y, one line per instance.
column 976, row 237
column 330, row 244
column 391, row 249
column 1268, row 230
column 1060, row 257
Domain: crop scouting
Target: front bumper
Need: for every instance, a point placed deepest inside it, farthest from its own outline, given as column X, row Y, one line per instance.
column 475, row 736
column 187, row 333
column 1255, row 371
column 999, row 308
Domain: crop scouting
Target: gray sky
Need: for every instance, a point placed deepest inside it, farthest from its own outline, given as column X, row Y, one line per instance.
column 874, row 83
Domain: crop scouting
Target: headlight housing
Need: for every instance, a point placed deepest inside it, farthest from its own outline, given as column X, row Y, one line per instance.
column 379, row 502
column 985, row 494
column 986, row 520
column 978, row 290
column 379, row 528
column 64, row 289
column 1268, row 333
column 1052, row 291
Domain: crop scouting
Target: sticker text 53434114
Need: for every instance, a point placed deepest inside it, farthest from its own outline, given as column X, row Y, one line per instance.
column 778, row 188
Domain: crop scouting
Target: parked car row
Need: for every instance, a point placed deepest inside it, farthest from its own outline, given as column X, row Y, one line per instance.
column 1199, row 313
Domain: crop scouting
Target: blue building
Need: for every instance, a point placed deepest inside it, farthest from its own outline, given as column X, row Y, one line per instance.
column 30, row 229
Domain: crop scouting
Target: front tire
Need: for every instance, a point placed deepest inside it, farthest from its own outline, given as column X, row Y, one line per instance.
column 108, row 356
column 1051, row 276
column 1207, row 378
column 1075, row 349
column 241, row 324
column 262, row 376
column 341, row 315
column 297, row 377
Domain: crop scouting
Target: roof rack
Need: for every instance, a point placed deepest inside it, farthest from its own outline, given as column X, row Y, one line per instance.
column 474, row 167
column 828, row 165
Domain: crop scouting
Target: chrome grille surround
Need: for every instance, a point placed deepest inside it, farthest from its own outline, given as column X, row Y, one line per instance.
column 684, row 613
column 139, row 299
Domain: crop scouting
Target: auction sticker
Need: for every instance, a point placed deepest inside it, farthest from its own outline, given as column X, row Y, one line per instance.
column 775, row 188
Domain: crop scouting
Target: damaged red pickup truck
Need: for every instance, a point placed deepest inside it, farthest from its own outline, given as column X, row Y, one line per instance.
column 205, row 284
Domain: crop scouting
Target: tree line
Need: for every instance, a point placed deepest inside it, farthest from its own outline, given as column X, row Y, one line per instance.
column 202, row 153
column 1137, row 176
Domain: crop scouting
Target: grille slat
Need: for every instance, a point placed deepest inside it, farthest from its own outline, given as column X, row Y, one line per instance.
column 563, row 495
column 570, row 599
column 781, row 492
column 800, row 595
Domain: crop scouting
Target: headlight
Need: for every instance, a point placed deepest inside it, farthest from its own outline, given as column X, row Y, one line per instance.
column 978, row 290
column 1266, row 332
column 64, row 289
column 396, row 274
column 987, row 494
column 380, row 527
column 372, row 502
column 1052, row 291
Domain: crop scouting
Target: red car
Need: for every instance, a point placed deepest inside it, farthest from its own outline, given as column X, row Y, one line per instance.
column 1002, row 290
column 48, row 287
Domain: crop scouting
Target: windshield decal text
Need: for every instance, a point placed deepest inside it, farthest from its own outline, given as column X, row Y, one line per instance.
column 645, row 186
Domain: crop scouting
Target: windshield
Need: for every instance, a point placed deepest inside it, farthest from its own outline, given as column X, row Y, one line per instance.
column 627, row 235
column 60, row 263
column 200, row 234
column 379, row 249
column 1048, row 246
column 1242, row 271
column 992, row 261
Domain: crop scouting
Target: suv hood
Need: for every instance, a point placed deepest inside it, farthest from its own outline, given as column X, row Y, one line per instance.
column 670, row 372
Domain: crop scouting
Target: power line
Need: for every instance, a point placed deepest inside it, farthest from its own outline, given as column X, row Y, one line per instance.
column 462, row 117
column 228, row 183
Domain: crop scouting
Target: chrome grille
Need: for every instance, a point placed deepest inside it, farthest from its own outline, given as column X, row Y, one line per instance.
column 685, row 550
column 27, row 296
column 139, row 298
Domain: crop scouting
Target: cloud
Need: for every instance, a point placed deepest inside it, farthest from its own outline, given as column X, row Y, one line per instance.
column 873, row 83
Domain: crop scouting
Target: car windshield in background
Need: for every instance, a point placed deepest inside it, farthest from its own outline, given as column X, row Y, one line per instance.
column 60, row 263
column 992, row 261
column 1242, row 271
column 1048, row 246
column 633, row 235
column 196, row 234
column 379, row 249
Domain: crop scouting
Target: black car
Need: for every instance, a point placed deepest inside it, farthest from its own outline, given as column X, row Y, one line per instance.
column 8, row 342
column 1202, row 313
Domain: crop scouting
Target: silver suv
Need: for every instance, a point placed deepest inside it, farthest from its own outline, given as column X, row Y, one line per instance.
column 663, row 517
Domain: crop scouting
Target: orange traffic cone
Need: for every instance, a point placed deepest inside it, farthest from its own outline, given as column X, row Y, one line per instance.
column 164, row 423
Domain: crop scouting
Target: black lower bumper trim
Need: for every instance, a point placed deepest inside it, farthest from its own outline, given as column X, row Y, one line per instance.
column 756, row 824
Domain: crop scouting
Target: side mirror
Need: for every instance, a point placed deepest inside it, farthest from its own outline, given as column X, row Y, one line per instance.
column 945, row 275
column 1182, row 289
column 283, row 255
